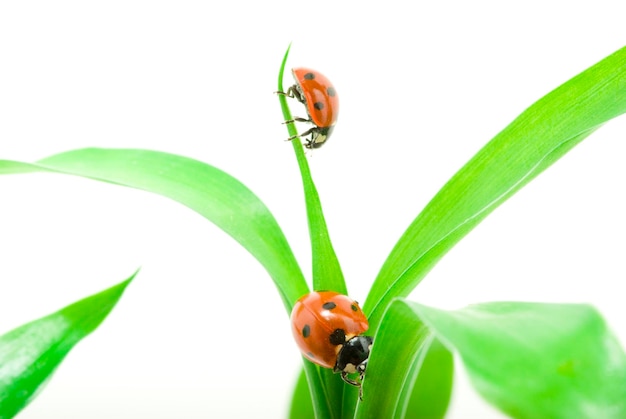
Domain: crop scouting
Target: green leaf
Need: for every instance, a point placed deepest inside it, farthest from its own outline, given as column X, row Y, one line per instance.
column 327, row 274
column 326, row 387
column 531, row 143
column 536, row 360
column 301, row 402
column 409, row 373
column 212, row 193
column 433, row 387
column 31, row 353
column 530, row 360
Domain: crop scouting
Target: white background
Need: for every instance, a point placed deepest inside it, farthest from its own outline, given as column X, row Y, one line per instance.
column 201, row 333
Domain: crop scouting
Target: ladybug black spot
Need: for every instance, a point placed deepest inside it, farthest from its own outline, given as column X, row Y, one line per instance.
column 331, row 91
column 354, row 307
column 318, row 105
column 306, row 331
column 329, row 306
column 309, row 76
column 338, row 337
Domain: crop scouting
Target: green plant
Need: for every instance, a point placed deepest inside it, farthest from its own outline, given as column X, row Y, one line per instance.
column 528, row 359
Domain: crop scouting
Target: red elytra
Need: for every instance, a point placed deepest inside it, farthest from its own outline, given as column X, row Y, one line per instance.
column 315, row 91
column 320, row 96
column 315, row 320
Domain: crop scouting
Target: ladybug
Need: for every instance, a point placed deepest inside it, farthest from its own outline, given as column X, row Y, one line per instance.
column 317, row 93
column 327, row 327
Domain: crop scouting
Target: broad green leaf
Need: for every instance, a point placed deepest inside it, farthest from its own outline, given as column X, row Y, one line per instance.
column 536, row 360
column 212, row 193
column 531, row 143
column 327, row 275
column 31, row 353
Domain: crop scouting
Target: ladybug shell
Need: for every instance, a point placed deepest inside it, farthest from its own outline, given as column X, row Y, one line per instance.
column 320, row 97
column 318, row 318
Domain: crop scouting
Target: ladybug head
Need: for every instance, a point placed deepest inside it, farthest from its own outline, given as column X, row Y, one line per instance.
column 319, row 135
column 353, row 355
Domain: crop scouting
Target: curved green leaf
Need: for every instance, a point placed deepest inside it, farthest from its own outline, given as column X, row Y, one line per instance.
column 528, row 359
column 31, row 353
column 419, row 386
column 400, row 347
column 537, row 360
column 433, row 387
column 532, row 142
column 212, row 193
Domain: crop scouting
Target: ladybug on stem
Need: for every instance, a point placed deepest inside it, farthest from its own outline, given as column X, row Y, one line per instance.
column 327, row 327
column 317, row 93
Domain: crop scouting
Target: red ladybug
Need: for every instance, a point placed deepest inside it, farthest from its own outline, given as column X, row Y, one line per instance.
column 322, row 104
column 327, row 327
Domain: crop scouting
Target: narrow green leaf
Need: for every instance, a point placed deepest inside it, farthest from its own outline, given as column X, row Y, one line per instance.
column 326, row 387
column 537, row 360
column 327, row 274
column 301, row 403
column 31, row 353
column 212, row 193
column 532, row 142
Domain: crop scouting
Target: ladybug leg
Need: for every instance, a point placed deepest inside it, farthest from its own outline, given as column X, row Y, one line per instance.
column 288, row 93
column 293, row 92
column 304, row 134
column 296, row 118
column 361, row 370
column 344, row 377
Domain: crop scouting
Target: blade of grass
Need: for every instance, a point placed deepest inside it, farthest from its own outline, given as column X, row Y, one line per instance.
column 212, row 193
column 327, row 274
column 30, row 353
column 537, row 360
column 531, row 143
